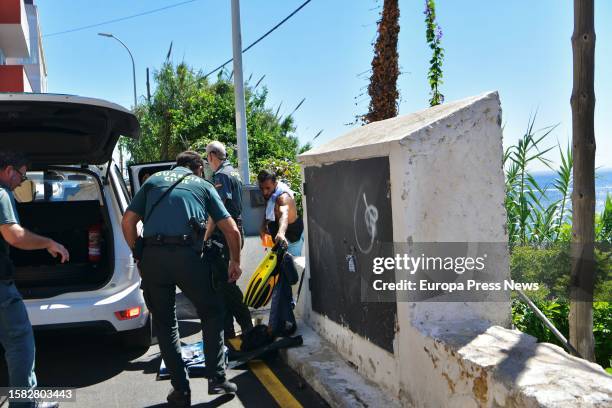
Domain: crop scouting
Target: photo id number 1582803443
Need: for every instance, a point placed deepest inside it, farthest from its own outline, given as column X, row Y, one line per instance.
column 42, row 394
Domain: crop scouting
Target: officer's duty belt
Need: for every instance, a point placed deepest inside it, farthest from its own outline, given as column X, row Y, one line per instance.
column 181, row 240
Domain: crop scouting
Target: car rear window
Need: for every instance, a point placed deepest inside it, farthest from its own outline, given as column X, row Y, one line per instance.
column 54, row 185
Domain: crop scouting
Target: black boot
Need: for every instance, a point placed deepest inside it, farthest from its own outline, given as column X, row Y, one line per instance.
column 229, row 333
column 220, row 385
column 177, row 398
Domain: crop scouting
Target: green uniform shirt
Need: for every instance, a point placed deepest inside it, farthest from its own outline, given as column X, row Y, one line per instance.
column 193, row 197
column 8, row 214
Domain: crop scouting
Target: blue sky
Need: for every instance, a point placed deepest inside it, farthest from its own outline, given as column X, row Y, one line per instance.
column 520, row 48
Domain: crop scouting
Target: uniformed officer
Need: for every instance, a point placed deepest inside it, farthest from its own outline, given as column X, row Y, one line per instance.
column 172, row 204
column 229, row 186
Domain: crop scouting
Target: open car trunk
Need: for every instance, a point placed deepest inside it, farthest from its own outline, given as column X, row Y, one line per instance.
column 63, row 129
column 65, row 208
column 63, row 202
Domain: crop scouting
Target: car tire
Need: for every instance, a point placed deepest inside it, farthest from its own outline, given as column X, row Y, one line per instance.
column 139, row 338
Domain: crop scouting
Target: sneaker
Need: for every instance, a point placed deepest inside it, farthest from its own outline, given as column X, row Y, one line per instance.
column 220, row 385
column 178, row 398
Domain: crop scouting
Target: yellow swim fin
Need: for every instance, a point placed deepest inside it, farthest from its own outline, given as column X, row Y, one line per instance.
column 262, row 282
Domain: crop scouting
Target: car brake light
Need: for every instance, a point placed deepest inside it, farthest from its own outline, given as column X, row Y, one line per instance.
column 127, row 314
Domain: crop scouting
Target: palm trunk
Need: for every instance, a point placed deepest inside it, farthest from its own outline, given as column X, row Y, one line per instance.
column 385, row 69
column 583, row 196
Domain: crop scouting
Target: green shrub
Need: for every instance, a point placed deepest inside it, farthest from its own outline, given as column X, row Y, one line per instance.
column 525, row 320
column 188, row 110
column 603, row 222
column 602, row 330
column 550, row 266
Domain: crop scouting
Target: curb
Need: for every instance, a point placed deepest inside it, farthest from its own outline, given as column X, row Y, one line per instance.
column 339, row 384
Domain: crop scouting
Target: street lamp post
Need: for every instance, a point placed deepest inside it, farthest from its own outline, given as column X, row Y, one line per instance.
column 110, row 35
column 241, row 124
column 131, row 56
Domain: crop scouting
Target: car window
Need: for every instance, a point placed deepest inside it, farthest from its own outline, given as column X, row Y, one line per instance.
column 55, row 185
column 122, row 183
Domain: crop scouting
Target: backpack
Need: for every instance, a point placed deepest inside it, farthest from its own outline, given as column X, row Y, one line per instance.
column 288, row 269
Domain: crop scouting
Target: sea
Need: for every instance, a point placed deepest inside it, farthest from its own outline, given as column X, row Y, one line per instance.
column 603, row 187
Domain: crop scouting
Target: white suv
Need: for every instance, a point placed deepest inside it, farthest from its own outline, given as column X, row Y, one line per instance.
column 76, row 195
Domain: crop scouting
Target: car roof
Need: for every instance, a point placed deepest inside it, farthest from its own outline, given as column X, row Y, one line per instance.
column 66, row 98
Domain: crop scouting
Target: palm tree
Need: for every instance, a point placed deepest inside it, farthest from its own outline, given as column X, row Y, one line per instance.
column 385, row 69
column 583, row 195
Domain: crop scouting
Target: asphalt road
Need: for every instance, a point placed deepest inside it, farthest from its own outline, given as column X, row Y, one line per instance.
column 105, row 374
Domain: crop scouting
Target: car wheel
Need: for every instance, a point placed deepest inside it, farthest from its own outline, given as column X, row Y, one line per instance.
column 139, row 338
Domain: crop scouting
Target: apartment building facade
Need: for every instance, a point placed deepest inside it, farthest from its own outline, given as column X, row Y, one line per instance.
column 22, row 57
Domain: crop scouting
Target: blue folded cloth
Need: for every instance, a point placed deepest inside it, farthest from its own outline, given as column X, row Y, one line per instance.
column 193, row 356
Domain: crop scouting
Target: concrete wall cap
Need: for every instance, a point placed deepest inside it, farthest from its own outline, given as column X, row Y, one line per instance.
column 366, row 141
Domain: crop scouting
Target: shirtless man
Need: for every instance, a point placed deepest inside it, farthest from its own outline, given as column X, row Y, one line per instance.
column 281, row 219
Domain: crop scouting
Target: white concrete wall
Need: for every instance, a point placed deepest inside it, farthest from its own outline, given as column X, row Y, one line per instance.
column 447, row 185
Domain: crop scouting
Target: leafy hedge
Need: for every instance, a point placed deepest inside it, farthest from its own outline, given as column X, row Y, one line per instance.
column 557, row 311
column 550, row 266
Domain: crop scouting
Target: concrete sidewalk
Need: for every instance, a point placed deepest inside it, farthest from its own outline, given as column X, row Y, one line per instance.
column 339, row 384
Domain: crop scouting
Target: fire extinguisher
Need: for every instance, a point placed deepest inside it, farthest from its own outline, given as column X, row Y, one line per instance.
column 95, row 243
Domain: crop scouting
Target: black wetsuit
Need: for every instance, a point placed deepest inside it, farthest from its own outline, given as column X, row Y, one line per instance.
column 294, row 230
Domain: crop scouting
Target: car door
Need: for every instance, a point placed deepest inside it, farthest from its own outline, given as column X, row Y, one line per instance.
column 138, row 173
column 253, row 203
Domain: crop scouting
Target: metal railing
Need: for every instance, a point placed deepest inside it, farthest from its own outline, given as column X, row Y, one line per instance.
column 548, row 323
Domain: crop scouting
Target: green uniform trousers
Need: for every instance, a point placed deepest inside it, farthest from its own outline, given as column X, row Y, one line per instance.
column 233, row 297
column 163, row 268
column 234, row 302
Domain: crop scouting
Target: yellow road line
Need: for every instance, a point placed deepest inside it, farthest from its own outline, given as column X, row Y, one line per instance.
column 276, row 388
column 236, row 342
column 269, row 380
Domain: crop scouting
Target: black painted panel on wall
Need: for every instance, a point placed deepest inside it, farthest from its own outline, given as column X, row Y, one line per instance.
column 349, row 219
